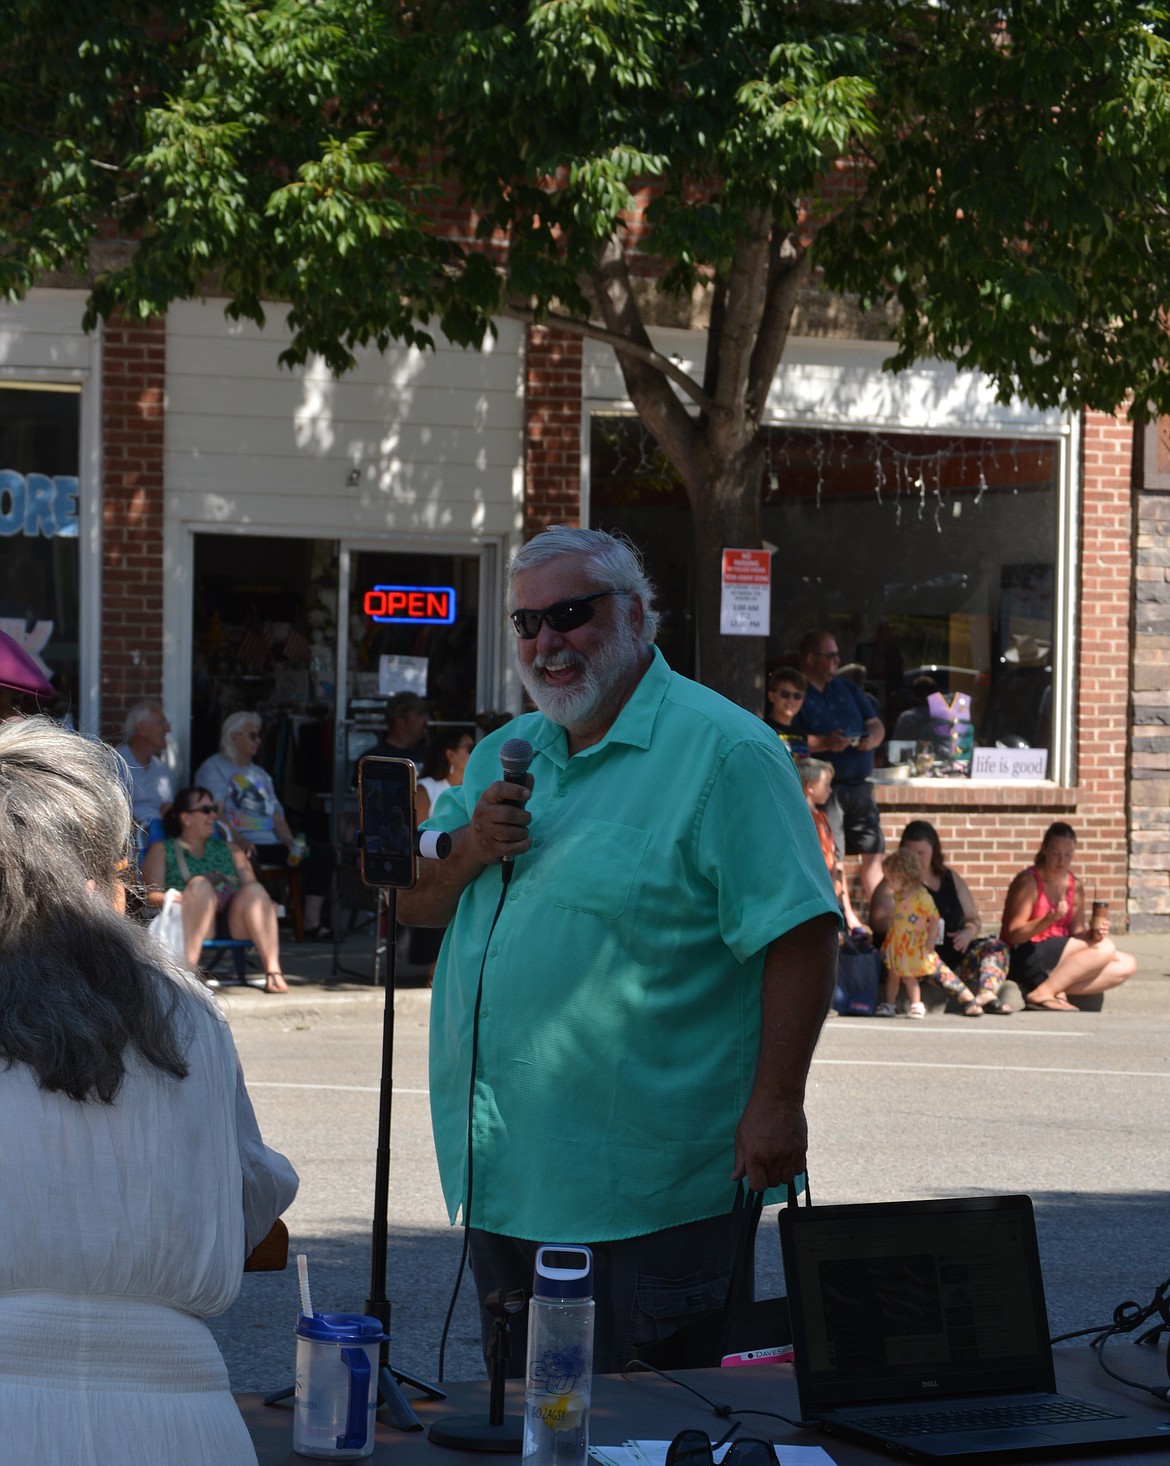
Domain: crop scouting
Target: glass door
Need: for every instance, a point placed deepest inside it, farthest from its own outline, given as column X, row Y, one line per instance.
column 413, row 623
column 316, row 636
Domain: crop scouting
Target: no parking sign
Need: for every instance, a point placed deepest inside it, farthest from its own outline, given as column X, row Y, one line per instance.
column 745, row 607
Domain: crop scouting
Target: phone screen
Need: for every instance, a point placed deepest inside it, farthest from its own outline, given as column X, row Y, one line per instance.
column 386, row 815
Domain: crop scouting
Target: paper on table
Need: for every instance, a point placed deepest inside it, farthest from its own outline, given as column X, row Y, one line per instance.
column 653, row 1453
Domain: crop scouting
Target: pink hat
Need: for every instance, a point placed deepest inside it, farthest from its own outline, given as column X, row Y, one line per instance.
column 19, row 671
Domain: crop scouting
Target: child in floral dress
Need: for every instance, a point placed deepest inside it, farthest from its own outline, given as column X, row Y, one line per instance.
column 909, row 948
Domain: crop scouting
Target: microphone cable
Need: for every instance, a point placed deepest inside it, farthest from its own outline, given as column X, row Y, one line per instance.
column 515, row 758
column 470, row 1116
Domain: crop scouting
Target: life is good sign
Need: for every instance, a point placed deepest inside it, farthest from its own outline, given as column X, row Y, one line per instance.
column 1006, row 764
column 745, row 607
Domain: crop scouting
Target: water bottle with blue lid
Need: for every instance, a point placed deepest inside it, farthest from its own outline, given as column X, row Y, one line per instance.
column 559, row 1372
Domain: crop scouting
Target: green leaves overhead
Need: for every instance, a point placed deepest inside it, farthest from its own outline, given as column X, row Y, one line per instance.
column 997, row 171
column 1021, row 225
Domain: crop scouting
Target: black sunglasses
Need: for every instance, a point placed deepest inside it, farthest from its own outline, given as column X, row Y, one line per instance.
column 693, row 1448
column 563, row 616
column 200, row 809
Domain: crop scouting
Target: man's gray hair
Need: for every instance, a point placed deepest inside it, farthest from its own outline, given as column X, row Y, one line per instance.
column 138, row 712
column 236, row 723
column 614, row 560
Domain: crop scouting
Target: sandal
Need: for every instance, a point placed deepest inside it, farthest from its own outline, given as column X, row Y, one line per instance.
column 1049, row 1005
column 971, row 1009
column 274, row 982
column 916, row 1010
column 885, row 1010
column 995, row 1006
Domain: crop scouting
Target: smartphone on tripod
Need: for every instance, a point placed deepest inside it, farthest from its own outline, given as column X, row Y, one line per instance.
column 386, row 819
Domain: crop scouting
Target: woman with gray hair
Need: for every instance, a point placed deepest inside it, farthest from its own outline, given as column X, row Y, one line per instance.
column 247, row 800
column 133, row 1179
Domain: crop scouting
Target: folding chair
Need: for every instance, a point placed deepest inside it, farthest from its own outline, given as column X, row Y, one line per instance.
column 237, row 948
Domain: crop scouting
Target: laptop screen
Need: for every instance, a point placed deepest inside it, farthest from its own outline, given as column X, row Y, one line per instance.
column 914, row 1300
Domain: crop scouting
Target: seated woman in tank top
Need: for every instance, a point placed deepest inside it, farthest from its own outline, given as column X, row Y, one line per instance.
column 1055, row 953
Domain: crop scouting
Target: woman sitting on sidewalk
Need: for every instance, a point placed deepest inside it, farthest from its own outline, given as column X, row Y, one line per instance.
column 1055, row 954
column 980, row 962
column 218, row 892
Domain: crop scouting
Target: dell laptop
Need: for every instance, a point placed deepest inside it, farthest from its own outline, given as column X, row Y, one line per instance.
column 920, row 1327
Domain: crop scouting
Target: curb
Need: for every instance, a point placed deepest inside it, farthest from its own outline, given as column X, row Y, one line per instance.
column 315, row 1001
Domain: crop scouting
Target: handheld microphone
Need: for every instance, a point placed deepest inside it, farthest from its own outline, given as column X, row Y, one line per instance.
column 515, row 756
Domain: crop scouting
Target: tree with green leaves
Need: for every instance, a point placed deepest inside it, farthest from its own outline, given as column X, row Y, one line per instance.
column 991, row 175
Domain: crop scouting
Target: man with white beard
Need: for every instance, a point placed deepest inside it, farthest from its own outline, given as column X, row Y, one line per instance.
column 639, row 1004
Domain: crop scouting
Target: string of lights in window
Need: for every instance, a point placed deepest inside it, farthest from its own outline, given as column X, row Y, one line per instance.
column 923, row 476
column 907, row 470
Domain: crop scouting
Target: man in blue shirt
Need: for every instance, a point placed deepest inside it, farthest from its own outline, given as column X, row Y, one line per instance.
column 843, row 729
column 641, row 999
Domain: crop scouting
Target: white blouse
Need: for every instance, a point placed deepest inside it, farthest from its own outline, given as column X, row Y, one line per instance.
column 135, row 1209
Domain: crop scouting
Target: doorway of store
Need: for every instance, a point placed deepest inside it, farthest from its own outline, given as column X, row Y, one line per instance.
column 316, row 635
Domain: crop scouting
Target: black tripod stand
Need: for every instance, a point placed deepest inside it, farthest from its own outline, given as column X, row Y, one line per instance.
column 392, row 1403
column 390, row 1397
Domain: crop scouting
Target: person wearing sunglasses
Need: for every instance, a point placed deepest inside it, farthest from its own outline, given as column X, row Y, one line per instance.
column 220, row 895
column 843, row 728
column 785, row 696
column 654, row 974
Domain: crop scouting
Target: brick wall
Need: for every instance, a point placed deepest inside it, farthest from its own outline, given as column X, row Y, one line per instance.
column 552, row 419
column 1149, row 802
column 990, row 834
column 1104, row 643
column 133, row 391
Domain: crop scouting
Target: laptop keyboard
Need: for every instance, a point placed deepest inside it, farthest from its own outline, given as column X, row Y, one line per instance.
column 987, row 1417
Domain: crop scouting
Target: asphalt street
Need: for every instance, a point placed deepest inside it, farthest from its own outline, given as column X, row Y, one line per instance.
column 1069, row 1108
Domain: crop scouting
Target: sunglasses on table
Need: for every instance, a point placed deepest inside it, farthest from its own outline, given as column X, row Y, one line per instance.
column 561, row 616
column 694, row 1448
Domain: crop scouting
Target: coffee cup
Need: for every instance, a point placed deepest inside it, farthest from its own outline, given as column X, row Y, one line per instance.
column 337, row 1385
column 1098, row 915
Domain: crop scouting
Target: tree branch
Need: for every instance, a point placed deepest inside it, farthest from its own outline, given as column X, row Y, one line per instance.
column 620, row 343
column 743, row 306
column 788, row 268
column 677, row 433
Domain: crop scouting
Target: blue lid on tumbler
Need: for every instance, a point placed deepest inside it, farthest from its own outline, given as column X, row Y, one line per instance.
column 339, row 1328
column 564, row 1271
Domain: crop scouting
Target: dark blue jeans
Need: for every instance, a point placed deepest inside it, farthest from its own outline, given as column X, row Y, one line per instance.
column 646, row 1288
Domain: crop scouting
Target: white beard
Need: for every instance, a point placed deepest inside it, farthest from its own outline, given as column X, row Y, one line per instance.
column 604, row 675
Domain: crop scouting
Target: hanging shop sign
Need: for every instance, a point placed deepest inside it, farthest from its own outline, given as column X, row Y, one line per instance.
column 418, row 605
column 35, row 504
column 746, row 602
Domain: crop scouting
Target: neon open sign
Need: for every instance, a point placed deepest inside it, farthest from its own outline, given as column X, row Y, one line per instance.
column 425, row 605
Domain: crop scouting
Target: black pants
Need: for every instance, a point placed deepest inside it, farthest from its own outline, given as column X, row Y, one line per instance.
column 646, row 1288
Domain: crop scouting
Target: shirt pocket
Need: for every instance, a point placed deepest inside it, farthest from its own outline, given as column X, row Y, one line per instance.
column 593, row 866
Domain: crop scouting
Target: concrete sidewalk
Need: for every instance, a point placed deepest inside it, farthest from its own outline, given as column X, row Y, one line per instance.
column 309, row 970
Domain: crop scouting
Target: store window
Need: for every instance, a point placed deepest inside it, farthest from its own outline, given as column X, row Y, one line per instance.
column 40, row 589
column 927, row 556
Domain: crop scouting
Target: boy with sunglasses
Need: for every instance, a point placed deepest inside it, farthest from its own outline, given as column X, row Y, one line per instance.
column 621, row 1027
column 786, row 689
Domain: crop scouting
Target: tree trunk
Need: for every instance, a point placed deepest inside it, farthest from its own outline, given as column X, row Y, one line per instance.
column 726, row 516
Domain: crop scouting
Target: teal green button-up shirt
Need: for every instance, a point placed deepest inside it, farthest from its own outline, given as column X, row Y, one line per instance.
column 620, row 1017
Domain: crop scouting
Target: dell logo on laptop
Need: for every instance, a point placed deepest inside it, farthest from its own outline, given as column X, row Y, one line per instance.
column 930, row 1384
